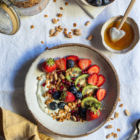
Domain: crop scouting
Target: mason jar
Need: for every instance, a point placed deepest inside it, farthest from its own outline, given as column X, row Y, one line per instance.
column 11, row 10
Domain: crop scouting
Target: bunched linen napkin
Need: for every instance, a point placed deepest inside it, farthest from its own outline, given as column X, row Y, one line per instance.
column 16, row 127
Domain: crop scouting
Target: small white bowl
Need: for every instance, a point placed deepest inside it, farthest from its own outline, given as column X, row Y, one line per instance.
column 135, row 29
column 86, row 3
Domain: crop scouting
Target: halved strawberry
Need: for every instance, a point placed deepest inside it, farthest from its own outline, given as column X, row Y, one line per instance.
column 84, row 63
column 49, row 65
column 93, row 79
column 101, row 94
column 61, row 64
column 101, row 80
column 73, row 57
column 92, row 116
column 67, row 96
column 94, row 69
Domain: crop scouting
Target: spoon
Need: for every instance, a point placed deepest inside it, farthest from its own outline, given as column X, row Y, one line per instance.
column 136, row 134
column 116, row 33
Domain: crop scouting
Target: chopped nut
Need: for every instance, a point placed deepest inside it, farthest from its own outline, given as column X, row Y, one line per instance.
column 59, row 15
column 55, row 76
column 69, row 104
column 66, row 3
column 127, row 113
column 61, row 8
column 118, row 129
column 115, row 135
column 32, row 26
column 54, row 21
column 52, row 31
column 54, row 0
column 39, row 78
column 45, row 16
column 56, row 33
column 87, row 23
column 116, row 115
column 68, row 35
column 62, row 76
column 42, row 42
column 74, row 24
column 109, row 126
column 121, row 105
column 74, row 118
column 90, row 37
column 67, row 108
column 77, row 32
column 108, row 136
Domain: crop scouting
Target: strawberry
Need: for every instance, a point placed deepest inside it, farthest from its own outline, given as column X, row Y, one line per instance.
column 101, row 80
column 73, row 57
column 49, row 65
column 101, row 94
column 94, row 69
column 93, row 79
column 84, row 63
column 61, row 64
column 67, row 96
column 92, row 116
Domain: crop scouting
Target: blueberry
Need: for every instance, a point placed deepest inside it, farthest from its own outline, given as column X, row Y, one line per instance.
column 73, row 89
column 70, row 63
column 56, row 95
column 61, row 105
column 78, row 95
column 53, row 105
column 82, row 112
column 97, row 2
column 106, row 2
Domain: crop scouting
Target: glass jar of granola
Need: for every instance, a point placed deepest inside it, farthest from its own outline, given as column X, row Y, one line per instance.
column 11, row 10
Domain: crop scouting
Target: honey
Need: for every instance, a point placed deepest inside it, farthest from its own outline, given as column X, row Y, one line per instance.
column 122, row 43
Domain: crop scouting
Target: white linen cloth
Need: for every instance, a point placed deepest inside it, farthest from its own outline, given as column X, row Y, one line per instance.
column 17, row 52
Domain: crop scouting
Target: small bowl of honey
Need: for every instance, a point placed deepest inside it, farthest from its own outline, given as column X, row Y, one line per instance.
column 125, row 44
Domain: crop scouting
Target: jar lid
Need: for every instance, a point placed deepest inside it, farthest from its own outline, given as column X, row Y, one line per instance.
column 9, row 20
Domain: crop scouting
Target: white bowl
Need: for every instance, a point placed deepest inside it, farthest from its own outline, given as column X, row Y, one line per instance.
column 70, row 128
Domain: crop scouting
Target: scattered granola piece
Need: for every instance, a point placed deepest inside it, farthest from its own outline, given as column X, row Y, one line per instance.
column 87, row 23
column 32, row 26
column 109, row 126
column 90, row 37
column 52, row 31
column 54, row 21
column 119, row 99
column 127, row 113
column 121, row 105
column 39, row 78
column 74, row 118
column 115, row 135
column 112, row 118
column 116, row 115
column 42, row 42
column 54, row 0
column 108, row 136
column 74, row 24
column 45, row 16
column 59, row 15
column 77, row 32
column 66, row 3
column 118, row 129
column 61, row 8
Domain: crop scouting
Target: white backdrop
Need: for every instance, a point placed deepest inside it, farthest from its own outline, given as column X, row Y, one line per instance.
column 18, row 51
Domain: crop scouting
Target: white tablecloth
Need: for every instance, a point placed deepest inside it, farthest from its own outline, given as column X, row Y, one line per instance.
column 17, row 52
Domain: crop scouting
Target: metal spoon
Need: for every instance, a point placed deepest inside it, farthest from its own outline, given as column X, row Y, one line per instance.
column 136, row 133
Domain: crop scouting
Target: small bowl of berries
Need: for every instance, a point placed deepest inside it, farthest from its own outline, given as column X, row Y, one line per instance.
column 97, row 3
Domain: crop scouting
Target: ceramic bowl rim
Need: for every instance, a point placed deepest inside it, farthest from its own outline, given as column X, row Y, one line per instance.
column 107, row 61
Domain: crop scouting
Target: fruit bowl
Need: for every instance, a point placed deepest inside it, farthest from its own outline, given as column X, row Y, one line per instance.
column 69, row 128
column 97, row 3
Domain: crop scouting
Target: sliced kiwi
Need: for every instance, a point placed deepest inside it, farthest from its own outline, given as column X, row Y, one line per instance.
column 72, row 72
column 89, row 89
column 81, row 80
column 91, row 103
